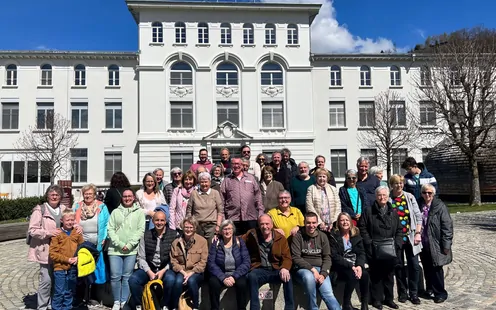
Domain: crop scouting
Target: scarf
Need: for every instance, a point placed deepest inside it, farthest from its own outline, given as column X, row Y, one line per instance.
column 186, row 192
column 88, row 212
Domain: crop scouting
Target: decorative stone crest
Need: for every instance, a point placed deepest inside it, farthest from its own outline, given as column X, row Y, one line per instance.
column 181, row 91
column 227, row 91
column 272, row 91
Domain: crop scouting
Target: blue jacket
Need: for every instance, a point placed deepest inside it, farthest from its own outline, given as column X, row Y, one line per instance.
column 347, row 206
column 216, row 258
column 103, row 218
column 413, row 185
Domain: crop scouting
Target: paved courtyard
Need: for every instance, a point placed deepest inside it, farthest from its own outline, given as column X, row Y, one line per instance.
column 470, row 279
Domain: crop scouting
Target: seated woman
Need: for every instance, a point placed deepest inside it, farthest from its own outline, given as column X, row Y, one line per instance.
column 188, row 255
column 287, row 220
column 348, row 260
column 153, row 258
column 228, row 263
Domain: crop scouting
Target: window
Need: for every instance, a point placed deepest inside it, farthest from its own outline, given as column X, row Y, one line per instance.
column 181, row 160
column 248, row 37
column 181, row 74
column 272, row 114
column 32, row 176
column 11, row 75
column 79, row 165
column 215, row 154
column 227, row 111
column 46, row 75
column 427, row 114
column 371, row 154
column 225, row 33
column 80, row 75
column 44, row 115
column 113, row 115
column 365, row 76
column 113, row 164
column 10, row 115
column 271, row 74
column 335, row 76
column 113, row 75
column 182, row 114
column 6, row 172
column 19, row 167
column 180, row 29
column 45, row 172
column 337, row 115
column 425, row 76
column 395, row 76
column 270, row 34
column 227, row 74
column 455, row 77
column 399, row 156
column 398, row 113
column 457, row 111
column 425, row 153
column 292, row 34
column 79, row 116
column 366, row 110
column 202, row 33
column 339, row 162
column 157, row 32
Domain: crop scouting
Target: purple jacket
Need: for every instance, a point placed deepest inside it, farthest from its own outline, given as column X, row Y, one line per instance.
column 216, row 258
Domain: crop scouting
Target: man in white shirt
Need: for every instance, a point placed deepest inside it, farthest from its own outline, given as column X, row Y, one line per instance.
column 254, row 167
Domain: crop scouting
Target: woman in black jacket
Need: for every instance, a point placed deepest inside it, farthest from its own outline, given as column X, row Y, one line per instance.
column 381, row 223
column 113, row 196
column 353, row 199
column 348, row 260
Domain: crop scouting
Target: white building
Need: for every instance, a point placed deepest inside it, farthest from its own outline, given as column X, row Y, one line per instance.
column 206, row 75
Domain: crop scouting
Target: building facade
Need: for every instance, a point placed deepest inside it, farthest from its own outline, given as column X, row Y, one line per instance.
column 207, row 75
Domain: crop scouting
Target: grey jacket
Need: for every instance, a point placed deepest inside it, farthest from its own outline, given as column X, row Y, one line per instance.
column 440, row 232
column 415, row 218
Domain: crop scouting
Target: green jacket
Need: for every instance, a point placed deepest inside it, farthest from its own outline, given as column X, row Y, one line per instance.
column 125, row 228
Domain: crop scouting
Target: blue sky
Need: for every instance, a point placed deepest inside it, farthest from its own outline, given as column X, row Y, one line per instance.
column 343, row 25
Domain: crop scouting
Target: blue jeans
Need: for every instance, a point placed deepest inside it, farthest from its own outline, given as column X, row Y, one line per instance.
column 174, row 286
column 65, row 288
column 259, row 277
column 121, row 268
column 137, row 283
column 306, row 278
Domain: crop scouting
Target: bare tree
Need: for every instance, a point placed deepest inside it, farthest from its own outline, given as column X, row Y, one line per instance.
column 51, row 146
column 395, row 127
column 458, row 81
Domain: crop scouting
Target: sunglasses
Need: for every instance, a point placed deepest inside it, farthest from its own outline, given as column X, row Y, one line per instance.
column 351, row 178
column 246, row 152
column 177, row 173
column 428, row 193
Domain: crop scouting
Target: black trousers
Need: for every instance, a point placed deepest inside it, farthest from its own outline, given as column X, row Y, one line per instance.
column 243, row 226
column 348, row 276
column 242, row 292
column 407, row 279
column 434, row 275
column 381, row 281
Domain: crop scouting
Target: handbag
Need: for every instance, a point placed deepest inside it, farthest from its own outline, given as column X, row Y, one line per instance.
column 384, row 249
column 28, row 235
column 185, row 302
column 350, row 257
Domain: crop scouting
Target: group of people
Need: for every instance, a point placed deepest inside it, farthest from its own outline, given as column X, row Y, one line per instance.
column 242, row 223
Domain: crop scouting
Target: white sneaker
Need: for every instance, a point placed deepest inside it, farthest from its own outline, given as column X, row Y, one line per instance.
column 165, row 308
column 123, row 304
column 117, row 306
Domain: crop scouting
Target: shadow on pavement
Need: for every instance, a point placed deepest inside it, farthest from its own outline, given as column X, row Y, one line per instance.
column 30, row 301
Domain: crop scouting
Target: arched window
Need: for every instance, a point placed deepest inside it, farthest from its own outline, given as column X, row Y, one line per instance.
column 180, row 28
column 46, row 74
column 270, row 34
column 271, row 74
column 365, row 76
column 202, row 33
column 248, row 37
column 395, row 76
column 227, row 74
column 292, row 34
column 157, row 32
column 335, row 76
column 425, row 76
column 181, row 74
column 113, row 75
column 80, row 75
column 11, row 75
column 225, row 33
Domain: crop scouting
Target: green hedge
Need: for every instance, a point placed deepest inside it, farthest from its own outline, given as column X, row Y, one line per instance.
column 12, row 209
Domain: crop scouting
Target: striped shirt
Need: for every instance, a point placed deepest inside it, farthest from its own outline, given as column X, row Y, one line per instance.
column 242, row 198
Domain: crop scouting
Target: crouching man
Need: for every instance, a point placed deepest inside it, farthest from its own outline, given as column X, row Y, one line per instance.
column 270, row 261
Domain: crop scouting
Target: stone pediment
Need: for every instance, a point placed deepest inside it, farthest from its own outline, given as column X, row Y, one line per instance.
column 227, row 131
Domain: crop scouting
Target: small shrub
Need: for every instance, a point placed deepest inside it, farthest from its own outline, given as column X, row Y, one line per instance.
column 12, row 209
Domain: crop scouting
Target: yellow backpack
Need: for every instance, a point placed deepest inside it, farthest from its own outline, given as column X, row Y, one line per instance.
column 152, row 295
column 86, row 264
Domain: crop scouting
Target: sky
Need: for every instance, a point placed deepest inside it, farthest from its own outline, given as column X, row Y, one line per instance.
column 342, row 26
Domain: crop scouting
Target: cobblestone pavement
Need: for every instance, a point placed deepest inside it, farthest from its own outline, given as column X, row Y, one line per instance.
column 470, row 278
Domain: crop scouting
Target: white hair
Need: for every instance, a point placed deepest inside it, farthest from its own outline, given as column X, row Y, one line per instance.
column 204, row 175
column 428, row 186
column 375, row 170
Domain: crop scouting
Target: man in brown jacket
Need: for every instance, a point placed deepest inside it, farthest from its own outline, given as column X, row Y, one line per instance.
column 270, row 261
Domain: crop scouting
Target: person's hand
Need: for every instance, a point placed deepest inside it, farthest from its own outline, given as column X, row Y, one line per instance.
column 295, row 230
column 160, row 273
column 229, row 281
column 446, row 251
column 417, row 239
column 323, row 227
column 79, row 229
column 320, row 279
column 151, row 275
column 125, row 249
column 280, row 231
column 357, row 217
column 358, row 272
column 315, row 274
column 216, row 229
column 73, row 260
column 187, row 274
column 103, row 242
column 55, row 232
column 284, row 274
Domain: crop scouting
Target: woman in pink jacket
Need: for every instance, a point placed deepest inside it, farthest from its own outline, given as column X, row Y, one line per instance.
column 44, row 223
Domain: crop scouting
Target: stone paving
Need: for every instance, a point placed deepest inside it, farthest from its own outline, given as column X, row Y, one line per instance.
column 470, row 278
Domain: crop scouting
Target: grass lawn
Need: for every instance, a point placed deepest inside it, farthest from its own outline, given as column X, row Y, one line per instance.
column 466, row 208
column 14, row 221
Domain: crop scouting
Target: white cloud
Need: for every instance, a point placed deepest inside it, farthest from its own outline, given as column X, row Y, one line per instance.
column 44, row 48
column 328, row 36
